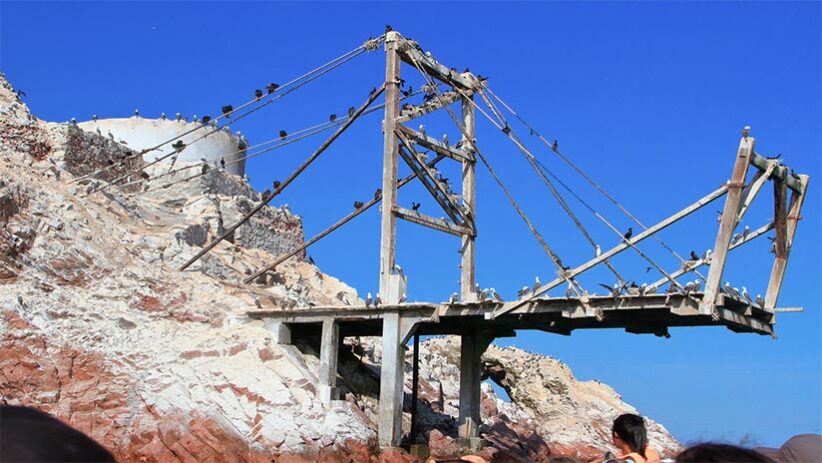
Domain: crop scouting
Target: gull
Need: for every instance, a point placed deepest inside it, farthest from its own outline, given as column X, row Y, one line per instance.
column 377, row 301
column 633, row 289
column 163, row 116
column 650, row 290
column 445, row 139
column 569, row 291
column 194, row 119
column 453, row 299
column 94, row 117
column 523, row 291
column 746, row 296
column 615, row 290
column 496, row 296
column 598, row 251
column 745, row 232
column 178, row 117
column 398, row 269
column 760, row 301
column 403, row 298
column 537, row 284
column 368, row 300
column 746, row 131
column 730, row 291
column 136, row 113
column 707, row 256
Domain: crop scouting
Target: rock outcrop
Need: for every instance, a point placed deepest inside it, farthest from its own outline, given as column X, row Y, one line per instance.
column 100, row 329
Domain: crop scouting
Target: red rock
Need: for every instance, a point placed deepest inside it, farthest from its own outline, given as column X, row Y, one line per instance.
column 266, row 354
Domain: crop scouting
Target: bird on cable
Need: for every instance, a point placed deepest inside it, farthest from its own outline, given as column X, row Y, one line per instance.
column 276, row 184
column 388, row 28
column 136, row 113
column 222, row 163
column 372, row 91
column 628, row 234
column 537, row 284
column 271, row 88
column 178, row 117
column 266, row 193
column 368, row 301
column 283, row 134
column 179, row 145
column 206, row 119
column 693, row 255
column 227, row 109
column 407, row 93
column 415, row 206
column 746, row 296
column 555, row 145
column 506, row 130
column 358, row 204
column 332, row 118
column 377, row 193
column 351, row 111
column 258, row 94
column 760, row 301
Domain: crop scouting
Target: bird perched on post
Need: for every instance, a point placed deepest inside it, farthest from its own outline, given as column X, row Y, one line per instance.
column 283, row 134
column 628, row 234
column 226, row 110
column 258, row 94
column 746, row 131
column 358, row 204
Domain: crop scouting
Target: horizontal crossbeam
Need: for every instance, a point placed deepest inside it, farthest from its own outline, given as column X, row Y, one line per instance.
column 435, row 145
column 781, row 171
column 409, row 53
column 442, row 225
column 415, row 111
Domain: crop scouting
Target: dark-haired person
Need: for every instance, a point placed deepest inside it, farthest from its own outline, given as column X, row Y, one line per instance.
column 720, row 453
column 631, row 438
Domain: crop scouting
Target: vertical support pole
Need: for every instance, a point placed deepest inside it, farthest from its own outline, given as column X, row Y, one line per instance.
column 329, row 350
column 392, row 380
column 415, row 384
column 468, row 262
column 727, row 224
column 785, row 227
column 471, row 348
column 388, row 223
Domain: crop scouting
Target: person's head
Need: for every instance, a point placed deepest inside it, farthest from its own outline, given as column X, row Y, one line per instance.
column 720, row 453
column 629, row 433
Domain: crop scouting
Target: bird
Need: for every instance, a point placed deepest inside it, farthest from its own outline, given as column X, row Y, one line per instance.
column 73, row 121
column 283, row 134
column 266, row 193
column 597, row 251
column 398, row 269
column 746, row 131
column 206, row 119
column 368, row 300
column 415, row 206
column 506, row 130
column 746, row 296
column 271, row 88
column 332, row 118
column 351, row 111
column 745, row 232
column 227, row 109
column 276, row 184
column 454, row 298
column 372, row 91
column 20, row 300
column 555, row 145
column 258, row 94
column 523, row 291
column 445, row 139
column 707, row 255
column 719, row 216
column 136, row 113
column 98, row 131
column 377, row 301
column 569, row 291
column 179, row 145
column 377, row 193
column 760, row 301
column 311, row 260
column 257, row 303
column 178, row 117
column 388, row 28
column 615, row 290
column 727, row 289
column 403, row 298
column 633, row 289
column 144, row 175
column 643, row 288
column 694, row 256
column 422, row 129
column 94, row 117
column 735, row 239
column 204, row 169
column 408, row 92
column 495, row 295
column 358, row 204
column 537, row 284
column 773, row 158
column 628, row 234
column 222, row 163
column 194, row 119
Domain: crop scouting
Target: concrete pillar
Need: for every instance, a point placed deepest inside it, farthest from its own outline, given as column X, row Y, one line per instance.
column 280, row 332
column 471, row 348
column 392, row 380
column 329, row 349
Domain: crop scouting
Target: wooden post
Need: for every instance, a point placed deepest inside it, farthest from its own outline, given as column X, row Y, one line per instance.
column 468, row 262
column 785, row 231
column 415, row 384
column 727, row 224
column 392, row 380
column 388, row 223
column 471, row 348
column 329, row 350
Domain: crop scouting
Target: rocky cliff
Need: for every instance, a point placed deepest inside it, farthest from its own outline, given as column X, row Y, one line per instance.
column 100, row 329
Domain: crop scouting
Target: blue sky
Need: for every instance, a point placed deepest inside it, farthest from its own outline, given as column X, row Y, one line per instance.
column 648, row 98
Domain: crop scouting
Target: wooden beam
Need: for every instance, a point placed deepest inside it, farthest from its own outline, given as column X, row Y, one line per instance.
column 781, row 171
column 702, row 202
column 469, row 179
column 784, row 241
column 333, row 227
column 429, row 107
column 750, row 192
column 409, row 53
column 388, row 224
column 435, row 145
column 727, row 224
column 442, row 225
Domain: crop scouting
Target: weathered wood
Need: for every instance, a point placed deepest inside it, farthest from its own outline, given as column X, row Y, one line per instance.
column 702, row 202
column 415, row 385
column 727, row 224
column 296, row 173
column 435, row 145
column 469, row 207
column 429, row 107
column 329, row 351
column 333, row 227
column 442, row 225
column 410, row 54
column 388, row 223
column 750, row 191
column 784, row 241
column 781, row 171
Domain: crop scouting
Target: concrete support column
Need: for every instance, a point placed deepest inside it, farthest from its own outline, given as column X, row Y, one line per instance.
column 471, row 348
column 280, row 332
column 329, row 349
column 392, row 380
